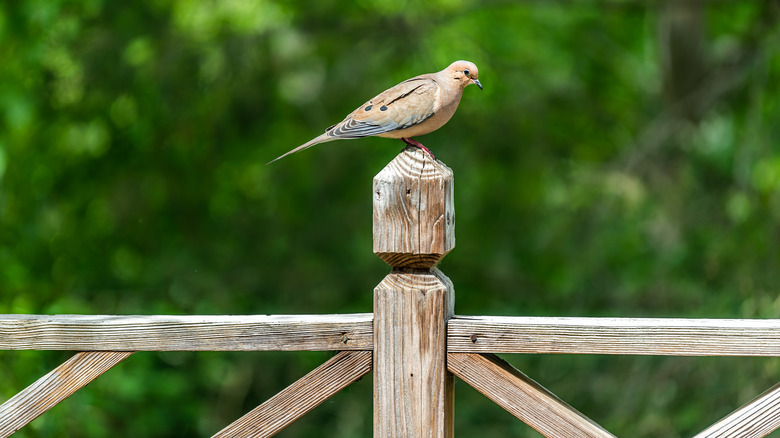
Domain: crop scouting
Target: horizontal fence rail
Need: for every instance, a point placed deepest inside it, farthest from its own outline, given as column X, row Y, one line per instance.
column 187, row 333
column 465, row 334
column 625, row 336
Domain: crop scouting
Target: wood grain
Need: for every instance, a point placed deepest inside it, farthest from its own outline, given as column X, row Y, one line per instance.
column 756, row 418
column 414, row 213
column 186, row 333
column 55, row 387
column 413, row 392
column 628, row 336
column 522, row 397
column 301, row 397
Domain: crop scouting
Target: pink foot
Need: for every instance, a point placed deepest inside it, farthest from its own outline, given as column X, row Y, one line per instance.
column 412, row 142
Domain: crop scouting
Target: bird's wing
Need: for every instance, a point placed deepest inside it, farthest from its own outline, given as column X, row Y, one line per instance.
column 405, row 105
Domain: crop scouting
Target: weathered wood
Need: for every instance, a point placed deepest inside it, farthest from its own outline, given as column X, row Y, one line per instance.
column 301, row 397
column 640, row 336
column 414, row 214
column 522, row 397
column 413, row 392
column 414, row 228
column 186, row 333
column 755, row 419
column 55, row 387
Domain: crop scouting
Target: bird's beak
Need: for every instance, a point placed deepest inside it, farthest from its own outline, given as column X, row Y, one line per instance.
column 477, row 82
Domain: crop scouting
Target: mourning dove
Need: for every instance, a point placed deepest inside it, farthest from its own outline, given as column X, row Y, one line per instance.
column 414, row 107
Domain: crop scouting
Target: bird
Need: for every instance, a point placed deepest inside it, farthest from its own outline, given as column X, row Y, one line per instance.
column 415, row 107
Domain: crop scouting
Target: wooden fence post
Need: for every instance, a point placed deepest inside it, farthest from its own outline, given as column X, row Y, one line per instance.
column 414, row 228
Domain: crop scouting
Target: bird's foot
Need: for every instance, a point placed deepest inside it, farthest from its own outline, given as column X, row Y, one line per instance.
column 412, row 142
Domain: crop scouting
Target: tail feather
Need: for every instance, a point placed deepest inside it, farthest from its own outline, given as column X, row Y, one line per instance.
column 317, row 140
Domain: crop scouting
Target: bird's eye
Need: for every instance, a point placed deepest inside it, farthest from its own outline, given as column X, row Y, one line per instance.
column 467, row 72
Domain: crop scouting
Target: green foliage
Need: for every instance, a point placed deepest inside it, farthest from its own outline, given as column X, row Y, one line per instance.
column 133, row 137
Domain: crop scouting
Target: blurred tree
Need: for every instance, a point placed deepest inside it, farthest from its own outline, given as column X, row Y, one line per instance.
column 621, row 161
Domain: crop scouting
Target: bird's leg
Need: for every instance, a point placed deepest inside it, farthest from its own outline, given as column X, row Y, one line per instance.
column 412, row 142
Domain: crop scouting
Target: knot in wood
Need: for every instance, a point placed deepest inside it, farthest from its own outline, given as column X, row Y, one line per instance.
column 414, row 212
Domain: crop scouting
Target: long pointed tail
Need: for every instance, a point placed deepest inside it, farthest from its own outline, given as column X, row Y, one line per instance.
column 321, row 139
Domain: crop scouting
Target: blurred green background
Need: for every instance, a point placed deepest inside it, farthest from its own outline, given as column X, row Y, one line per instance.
column 623, row 160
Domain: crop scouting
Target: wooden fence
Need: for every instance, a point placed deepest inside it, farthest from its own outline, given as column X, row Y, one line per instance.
column 412, row 341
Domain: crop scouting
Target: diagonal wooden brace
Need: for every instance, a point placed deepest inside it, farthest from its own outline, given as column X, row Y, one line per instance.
column 54, row 387
column 305, row 394
column 756, row 418
column 521, row 396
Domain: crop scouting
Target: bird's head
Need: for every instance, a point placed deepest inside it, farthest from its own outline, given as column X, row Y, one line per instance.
column 465, row 73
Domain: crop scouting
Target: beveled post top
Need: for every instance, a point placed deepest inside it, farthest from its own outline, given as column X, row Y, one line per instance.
column 414, row 212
